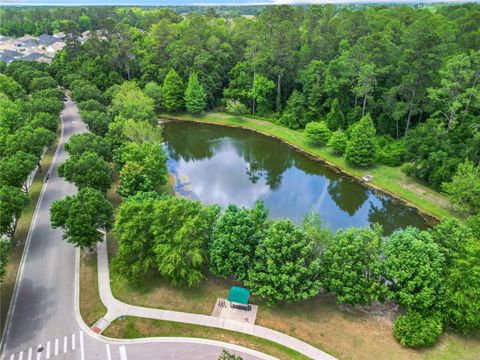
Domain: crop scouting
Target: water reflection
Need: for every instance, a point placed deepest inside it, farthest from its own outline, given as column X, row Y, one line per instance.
column 222, row 165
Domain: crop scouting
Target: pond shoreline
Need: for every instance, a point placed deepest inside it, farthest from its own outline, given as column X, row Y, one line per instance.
column 430, row 219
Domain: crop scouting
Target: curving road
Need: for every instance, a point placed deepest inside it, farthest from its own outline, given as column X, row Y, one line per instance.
column 43, row 321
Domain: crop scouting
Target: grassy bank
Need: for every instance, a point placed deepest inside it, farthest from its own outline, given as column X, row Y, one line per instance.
column 389, row 179
column 15, row 254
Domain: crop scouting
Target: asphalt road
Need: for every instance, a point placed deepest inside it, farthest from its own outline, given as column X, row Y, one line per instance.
column 43, row 323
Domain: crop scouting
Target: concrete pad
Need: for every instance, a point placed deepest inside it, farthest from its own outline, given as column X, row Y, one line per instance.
column 223, row 310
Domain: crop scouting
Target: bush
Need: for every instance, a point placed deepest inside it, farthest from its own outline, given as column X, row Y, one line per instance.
column 338, row 142
column 317, row 133
column 236, row 108
column 391, row 152
column 415, row 330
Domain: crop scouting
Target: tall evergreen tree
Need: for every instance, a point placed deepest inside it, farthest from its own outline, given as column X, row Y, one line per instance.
column 361, row 149
column 335, row 119
column 194, row 95
column 173, row 91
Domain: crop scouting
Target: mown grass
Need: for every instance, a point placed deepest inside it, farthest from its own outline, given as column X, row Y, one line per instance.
column 91, row 307
column 133, row 327
column 15, row 254
column 389, row 179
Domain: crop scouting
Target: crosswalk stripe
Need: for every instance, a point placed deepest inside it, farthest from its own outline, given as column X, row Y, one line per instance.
column 20, row 356
column 48, row 350
column 39, row 354
column 30, row 354
column 73, row 341
column 123, row 353
column 65, row 341
column 12, row 357
column 56, row 347
column 82, row 352
column 109, row 357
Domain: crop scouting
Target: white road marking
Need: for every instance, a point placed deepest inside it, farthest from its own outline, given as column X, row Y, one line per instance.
column 123, row 353
column 73, row 341
column 65, row 343
column 109, row 356
column 82, row 350
column 39, row 354
column 48, row 350
column 56, row 347
column 12, row 357
column 20, row 356
column 30, row 354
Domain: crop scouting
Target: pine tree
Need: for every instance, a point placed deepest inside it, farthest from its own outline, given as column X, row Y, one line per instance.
column 294, row 114
column 194, row 95
column 173, row 91
column 335, row 118
column 361, row 149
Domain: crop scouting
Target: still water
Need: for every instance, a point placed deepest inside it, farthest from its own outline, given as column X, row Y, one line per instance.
column 220, row 165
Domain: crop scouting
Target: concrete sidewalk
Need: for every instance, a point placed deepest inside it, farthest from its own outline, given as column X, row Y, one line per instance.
column 117, row 308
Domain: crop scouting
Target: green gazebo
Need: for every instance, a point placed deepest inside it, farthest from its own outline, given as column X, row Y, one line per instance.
column 238, row 298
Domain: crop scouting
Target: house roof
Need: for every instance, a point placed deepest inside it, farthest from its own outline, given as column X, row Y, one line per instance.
column 9, row 56
column 46, row 39
column 32, row 56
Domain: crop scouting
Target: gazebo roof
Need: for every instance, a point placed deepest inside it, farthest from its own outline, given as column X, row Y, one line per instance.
column 238, row 295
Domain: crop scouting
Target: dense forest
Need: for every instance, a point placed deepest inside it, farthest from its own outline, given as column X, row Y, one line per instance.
column 415, row 71
column 392, row 85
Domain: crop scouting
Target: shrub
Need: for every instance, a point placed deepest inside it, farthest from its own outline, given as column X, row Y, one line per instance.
column 338, row 142
column 317, row 133
column 391, row 152
column 236, row 108
column 414, row 329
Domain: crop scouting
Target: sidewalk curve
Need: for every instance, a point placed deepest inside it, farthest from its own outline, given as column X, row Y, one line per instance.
column 116, row 308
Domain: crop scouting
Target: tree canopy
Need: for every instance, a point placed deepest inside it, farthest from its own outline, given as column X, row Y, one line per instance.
column 82, row 217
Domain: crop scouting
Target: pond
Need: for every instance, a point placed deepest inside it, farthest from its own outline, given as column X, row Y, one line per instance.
column 222, row 165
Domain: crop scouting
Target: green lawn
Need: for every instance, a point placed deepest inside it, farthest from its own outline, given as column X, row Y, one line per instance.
column 389, row 179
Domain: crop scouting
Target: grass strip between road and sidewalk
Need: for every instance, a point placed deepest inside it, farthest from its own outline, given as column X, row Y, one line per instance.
column 21, row 233
column 133, row 327
column 388, row 179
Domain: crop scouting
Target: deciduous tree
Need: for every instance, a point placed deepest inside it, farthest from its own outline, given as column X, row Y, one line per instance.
column 285, row 266
column 352, row 266
column 414, row 267
column 12, row 202
column 82, row 217
column 235, row 238
column 85, row 142
column 87, row 170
